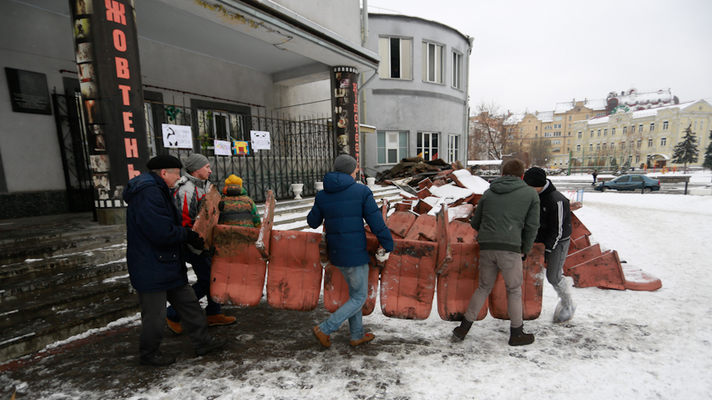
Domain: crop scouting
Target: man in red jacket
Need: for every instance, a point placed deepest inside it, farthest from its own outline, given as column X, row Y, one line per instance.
column 190, row 191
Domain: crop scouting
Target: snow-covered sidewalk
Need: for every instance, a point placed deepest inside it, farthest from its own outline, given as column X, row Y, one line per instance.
column 621, row 344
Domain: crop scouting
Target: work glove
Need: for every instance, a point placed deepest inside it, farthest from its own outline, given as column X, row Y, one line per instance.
column 382, row 255
column 195, row 240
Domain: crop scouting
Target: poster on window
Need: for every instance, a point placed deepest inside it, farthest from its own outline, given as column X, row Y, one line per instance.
column 260, row 140
column 222, row 148
column 177, row 136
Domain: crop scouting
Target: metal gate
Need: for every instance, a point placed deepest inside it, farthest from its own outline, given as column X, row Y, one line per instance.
column 302, row 151
column 72, row 139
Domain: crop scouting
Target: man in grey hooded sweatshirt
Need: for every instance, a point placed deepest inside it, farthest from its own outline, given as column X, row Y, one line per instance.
column 506, row 219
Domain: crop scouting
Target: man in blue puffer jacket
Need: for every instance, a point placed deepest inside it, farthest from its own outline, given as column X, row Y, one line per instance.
column 155, row 259
column 342, row 206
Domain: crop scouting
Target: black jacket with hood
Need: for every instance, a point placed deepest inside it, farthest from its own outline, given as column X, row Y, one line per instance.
column 555, row 219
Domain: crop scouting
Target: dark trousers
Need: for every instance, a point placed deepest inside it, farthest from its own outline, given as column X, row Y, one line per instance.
column 201, row 266
column 153, row 317
column 555, row 260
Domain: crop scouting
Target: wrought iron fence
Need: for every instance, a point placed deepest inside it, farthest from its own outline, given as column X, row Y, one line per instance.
column 301, row 151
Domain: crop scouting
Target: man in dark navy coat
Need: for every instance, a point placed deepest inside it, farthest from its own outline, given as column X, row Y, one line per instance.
column 155, row 259
column 343, row 205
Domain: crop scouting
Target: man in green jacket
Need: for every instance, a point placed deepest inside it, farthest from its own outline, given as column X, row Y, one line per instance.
column 506, row 219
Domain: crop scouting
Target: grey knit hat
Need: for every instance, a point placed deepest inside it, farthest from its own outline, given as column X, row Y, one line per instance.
column 345, row 163
column 195, row 162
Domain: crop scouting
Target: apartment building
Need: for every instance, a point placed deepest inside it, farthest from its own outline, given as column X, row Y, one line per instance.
column 640, row 139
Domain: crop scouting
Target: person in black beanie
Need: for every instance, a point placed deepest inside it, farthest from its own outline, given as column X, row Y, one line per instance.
column 155, row 259
column 555, row 232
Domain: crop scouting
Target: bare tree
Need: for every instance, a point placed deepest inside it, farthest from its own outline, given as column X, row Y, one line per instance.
column 488, row 135
column 539, row 151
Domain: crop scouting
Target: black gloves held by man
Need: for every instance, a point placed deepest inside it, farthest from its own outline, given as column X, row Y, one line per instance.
column 195, row 240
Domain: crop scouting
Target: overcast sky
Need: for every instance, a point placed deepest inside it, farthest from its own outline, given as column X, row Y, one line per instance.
column 531, row 54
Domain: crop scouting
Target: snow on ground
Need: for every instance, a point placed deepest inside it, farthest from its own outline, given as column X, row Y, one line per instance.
column 620, row 344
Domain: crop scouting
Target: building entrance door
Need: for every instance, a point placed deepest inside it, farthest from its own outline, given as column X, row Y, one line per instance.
column 73, row 146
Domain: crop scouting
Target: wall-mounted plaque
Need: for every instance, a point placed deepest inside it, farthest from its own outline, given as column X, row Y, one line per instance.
column 28, row 91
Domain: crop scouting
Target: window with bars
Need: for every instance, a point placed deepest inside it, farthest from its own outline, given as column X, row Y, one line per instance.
column 396, row 58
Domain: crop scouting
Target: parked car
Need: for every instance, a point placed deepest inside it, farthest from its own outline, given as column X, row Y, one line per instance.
column 630, row 182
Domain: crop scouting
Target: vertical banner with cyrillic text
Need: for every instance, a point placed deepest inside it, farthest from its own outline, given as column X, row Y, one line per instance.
column 106, row 46
column 344, row 101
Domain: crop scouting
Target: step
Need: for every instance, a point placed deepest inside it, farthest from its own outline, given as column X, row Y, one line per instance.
column 47, row 245
column 41, row 332
column 23, row 312
column 35, row 268
column 79, row 275
column 297, row 221
column 307, row 202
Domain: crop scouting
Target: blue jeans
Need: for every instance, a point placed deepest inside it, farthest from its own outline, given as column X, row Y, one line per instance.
column 357, row 279
column 201, row 266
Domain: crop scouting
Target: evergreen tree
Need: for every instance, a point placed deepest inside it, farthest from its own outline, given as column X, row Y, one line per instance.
column 708, row 155
column 686, row 151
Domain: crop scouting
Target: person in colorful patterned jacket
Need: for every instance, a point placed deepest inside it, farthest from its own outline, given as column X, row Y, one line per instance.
column 190, row 191
column 236, row 207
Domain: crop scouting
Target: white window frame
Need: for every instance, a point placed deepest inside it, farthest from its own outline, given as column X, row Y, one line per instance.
column 405, row 57
column 436, row 70
column 392, row 142
column 453, row 147
column 429, row 147
column 457, row 70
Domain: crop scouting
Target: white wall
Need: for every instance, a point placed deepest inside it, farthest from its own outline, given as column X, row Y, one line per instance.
column 28, row 142
column 330, row 14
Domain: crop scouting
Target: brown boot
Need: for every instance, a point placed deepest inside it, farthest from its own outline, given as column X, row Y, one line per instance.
column 220, row 319
column 175, row 327
column 365, row 339
column 322, row 337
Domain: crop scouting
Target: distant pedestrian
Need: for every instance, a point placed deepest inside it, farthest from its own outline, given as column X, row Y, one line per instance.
column 342, row 206
column 155, row 256
column 190, row 191
column 555, row 233
column 236, row 207
column 595, row 174
column 506, row 219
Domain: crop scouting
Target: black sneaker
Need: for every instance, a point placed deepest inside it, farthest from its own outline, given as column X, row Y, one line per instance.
column 211, row 344
column 517, row 337
column 158, row 359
